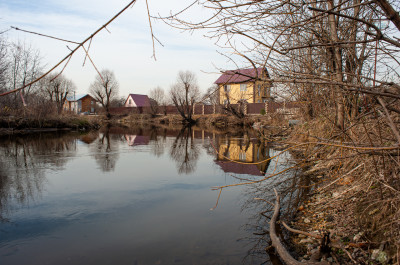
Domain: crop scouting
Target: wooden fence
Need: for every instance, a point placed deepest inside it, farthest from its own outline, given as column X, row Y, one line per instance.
column 286, row 108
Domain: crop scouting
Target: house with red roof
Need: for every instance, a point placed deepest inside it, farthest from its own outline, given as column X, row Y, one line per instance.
column 244, row 85
column 137, row 100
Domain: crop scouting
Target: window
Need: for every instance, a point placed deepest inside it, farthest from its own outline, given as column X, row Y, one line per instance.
column 225, row 101
column 130, row 101
column 227, row 88
column 242, row 156
column 92, row 102
column 259, row 90
column 243, row 87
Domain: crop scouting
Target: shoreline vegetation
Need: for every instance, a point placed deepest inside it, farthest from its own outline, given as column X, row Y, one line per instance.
column 22, row 125
column 344, row 204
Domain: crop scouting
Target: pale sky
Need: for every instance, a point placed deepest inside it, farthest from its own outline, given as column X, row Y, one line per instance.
column 127, row 50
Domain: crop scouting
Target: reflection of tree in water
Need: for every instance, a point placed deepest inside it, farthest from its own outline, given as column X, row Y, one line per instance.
column 106, row 150
column 22, row 164
column 184, row 151
column 158, row 140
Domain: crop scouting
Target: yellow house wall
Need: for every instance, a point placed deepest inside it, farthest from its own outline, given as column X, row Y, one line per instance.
column 265, row 91
column 235, row 152
column 235, row 95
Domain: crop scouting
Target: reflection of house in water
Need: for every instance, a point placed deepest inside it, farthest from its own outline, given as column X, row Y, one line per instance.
column 137, row 139
column 232, row 151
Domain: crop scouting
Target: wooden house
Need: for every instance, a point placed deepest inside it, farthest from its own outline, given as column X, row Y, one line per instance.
column 80, row 104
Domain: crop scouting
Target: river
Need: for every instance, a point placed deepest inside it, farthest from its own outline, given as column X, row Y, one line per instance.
column 138, row 196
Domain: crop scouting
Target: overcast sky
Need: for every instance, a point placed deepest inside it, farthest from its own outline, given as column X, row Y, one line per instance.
column 127, row 50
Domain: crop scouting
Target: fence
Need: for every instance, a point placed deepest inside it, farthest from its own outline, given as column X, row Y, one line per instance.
column 286, row 108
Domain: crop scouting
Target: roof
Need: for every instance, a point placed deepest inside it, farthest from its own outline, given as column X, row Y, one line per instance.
column 137, row 139
column 240, row 75
column 77, row 97
column 140, row 100
column 232, row 167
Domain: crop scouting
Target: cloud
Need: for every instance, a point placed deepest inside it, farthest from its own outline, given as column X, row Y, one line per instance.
column 127, row 50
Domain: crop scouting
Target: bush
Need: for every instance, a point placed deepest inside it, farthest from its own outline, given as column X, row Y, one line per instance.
column 262, row 112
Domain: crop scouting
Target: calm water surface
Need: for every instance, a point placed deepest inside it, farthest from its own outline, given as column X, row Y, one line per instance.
column 137, row 196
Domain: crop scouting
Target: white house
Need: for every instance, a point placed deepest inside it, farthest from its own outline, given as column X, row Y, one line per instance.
column 136, row 100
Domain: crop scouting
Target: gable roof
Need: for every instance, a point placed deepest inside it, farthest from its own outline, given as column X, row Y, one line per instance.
column 140, row 100
column 240, row 75
column 77, row 97
column 137, row 139
column 232, row 167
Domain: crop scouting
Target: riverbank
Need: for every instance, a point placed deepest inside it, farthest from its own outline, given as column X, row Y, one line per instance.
column 18, row 125
column 353, row 196
column 274, row 123
column 215, row 120
column 271, row 126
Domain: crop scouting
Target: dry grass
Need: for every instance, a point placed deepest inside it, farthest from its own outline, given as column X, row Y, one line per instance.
column 359, row 177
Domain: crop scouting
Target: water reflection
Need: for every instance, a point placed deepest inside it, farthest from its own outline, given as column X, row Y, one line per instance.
column 23, row 160
column 242, row 155
column 141, row 209
column 106, row 149
column 184, row 151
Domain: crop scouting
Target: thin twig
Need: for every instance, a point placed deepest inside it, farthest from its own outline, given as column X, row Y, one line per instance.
column 390, row 121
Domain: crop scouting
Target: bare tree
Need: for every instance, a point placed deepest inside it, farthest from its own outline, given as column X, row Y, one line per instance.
column 184, row 94
column 340, row 60
column 237, row 109
column 211, row 97
column 104, row 89
column 4, row 64
column 326, row 47
column 24, row 67
column 117, row 102
column 57, row 88
column 157, row 100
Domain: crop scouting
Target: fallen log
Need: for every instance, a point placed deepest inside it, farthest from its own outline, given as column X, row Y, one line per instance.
column 277, row 244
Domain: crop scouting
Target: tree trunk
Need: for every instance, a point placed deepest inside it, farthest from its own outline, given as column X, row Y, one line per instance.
column 337, row 62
